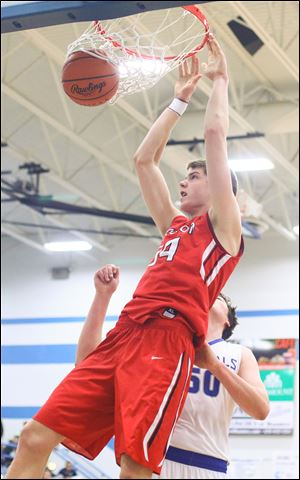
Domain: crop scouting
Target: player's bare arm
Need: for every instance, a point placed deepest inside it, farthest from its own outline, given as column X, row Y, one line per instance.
column 106, row 281
column 154, row 188
column 225, row 212
column 246, row 388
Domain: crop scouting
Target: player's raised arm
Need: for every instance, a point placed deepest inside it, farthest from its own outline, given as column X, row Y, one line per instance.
column 148, row 155
column 225, row 213
column 106, row 281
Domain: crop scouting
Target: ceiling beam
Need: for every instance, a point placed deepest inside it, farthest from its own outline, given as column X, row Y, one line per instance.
column 93, row 201
column 18, row 235
column 60, row 92
column 88, row 198
column 237, row 117
column 84, row 144
column 59, row 57
column 277, row 226
column 283, row 60
column 52, row 51
column 267, row 146
column 41, row 114
column 49, row 142
column 286, row 123
column 50, row 218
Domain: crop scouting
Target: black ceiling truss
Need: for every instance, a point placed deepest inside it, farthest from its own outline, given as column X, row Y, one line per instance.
column 26, row 193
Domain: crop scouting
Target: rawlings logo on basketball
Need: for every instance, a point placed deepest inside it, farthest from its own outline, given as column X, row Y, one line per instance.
column 88, row 79
column 89, row 90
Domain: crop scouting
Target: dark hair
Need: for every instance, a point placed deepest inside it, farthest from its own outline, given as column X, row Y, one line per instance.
column 231, row 315
column 202, row 164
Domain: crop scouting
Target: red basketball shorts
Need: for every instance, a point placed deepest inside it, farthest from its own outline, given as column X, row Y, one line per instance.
column 132, row 386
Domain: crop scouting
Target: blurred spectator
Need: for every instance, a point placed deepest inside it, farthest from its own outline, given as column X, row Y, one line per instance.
column 67, row 472
column 11, row 445
column 8, row 452
column 6, row 458
column 48, row 473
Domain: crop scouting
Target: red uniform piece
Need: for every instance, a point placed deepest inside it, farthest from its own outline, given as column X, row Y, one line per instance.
column 135, row 383
column 187, row 274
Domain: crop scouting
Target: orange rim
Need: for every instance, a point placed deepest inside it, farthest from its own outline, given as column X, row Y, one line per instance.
column 190, row 8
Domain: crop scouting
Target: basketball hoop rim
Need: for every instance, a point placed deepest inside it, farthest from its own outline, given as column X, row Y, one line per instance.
column 190, row 8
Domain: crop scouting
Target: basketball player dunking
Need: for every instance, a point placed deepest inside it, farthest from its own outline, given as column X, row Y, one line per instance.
column 228, row 376
column 135, row 383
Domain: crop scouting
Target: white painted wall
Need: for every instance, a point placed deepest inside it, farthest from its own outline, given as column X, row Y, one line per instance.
column 266, row 279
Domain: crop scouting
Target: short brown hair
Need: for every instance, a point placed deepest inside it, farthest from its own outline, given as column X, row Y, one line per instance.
column 231, row 315
column 202, row 164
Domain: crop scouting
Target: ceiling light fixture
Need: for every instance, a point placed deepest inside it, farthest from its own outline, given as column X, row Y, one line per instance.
column 67, row 246
column 140, row 65
column 250, row 164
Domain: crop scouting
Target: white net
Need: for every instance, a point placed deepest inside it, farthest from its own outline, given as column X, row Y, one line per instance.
column 144, row 47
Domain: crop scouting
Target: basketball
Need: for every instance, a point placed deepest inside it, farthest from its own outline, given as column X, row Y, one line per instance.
column 89, row 80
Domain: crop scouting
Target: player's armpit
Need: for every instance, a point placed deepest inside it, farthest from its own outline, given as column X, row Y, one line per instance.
column 228, row 231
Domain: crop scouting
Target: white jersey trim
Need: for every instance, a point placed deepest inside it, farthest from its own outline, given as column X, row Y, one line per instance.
column 161, row 409
column 170, row 437
column 217, row 268
column 204, row 257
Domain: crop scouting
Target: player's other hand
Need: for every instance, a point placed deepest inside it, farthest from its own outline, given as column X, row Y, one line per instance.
column 189, row 75
column 106, row 279
column 205, row 357
column 216, row 65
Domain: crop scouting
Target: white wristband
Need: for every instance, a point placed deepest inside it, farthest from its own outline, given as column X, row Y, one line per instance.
column 178, row 106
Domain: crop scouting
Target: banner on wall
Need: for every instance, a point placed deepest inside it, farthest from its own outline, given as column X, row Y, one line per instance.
column 277, row 362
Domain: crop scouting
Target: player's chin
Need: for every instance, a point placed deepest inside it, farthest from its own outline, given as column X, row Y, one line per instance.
column 185, row 206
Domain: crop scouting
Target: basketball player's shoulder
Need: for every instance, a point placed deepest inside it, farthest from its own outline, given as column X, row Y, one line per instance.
column 233, row 344
column 247, row 353
column 224, row 345
column 231, row 348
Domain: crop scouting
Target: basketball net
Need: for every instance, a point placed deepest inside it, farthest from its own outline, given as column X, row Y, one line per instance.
column 147, row 46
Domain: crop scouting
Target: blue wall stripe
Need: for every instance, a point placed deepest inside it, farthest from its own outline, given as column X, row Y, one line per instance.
column 18, row 412
column 19, row 321
column 113, row 318
column 267, row 313
column 22, row 354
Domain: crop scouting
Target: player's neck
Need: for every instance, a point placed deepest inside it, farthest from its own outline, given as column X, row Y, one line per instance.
column 214, row 332
column 198, row 212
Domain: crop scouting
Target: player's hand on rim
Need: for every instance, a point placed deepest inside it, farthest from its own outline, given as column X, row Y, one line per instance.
column 216, row 65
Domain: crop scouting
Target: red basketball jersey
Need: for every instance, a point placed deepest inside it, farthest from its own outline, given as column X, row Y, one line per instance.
column 187, row 274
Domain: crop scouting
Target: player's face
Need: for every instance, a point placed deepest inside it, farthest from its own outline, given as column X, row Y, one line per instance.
column 219, row 311
column 194, row 191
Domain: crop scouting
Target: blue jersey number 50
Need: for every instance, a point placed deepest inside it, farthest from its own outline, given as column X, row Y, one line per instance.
column 210, row 388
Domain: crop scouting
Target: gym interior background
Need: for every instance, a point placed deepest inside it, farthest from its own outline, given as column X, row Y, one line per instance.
column 82, row 157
